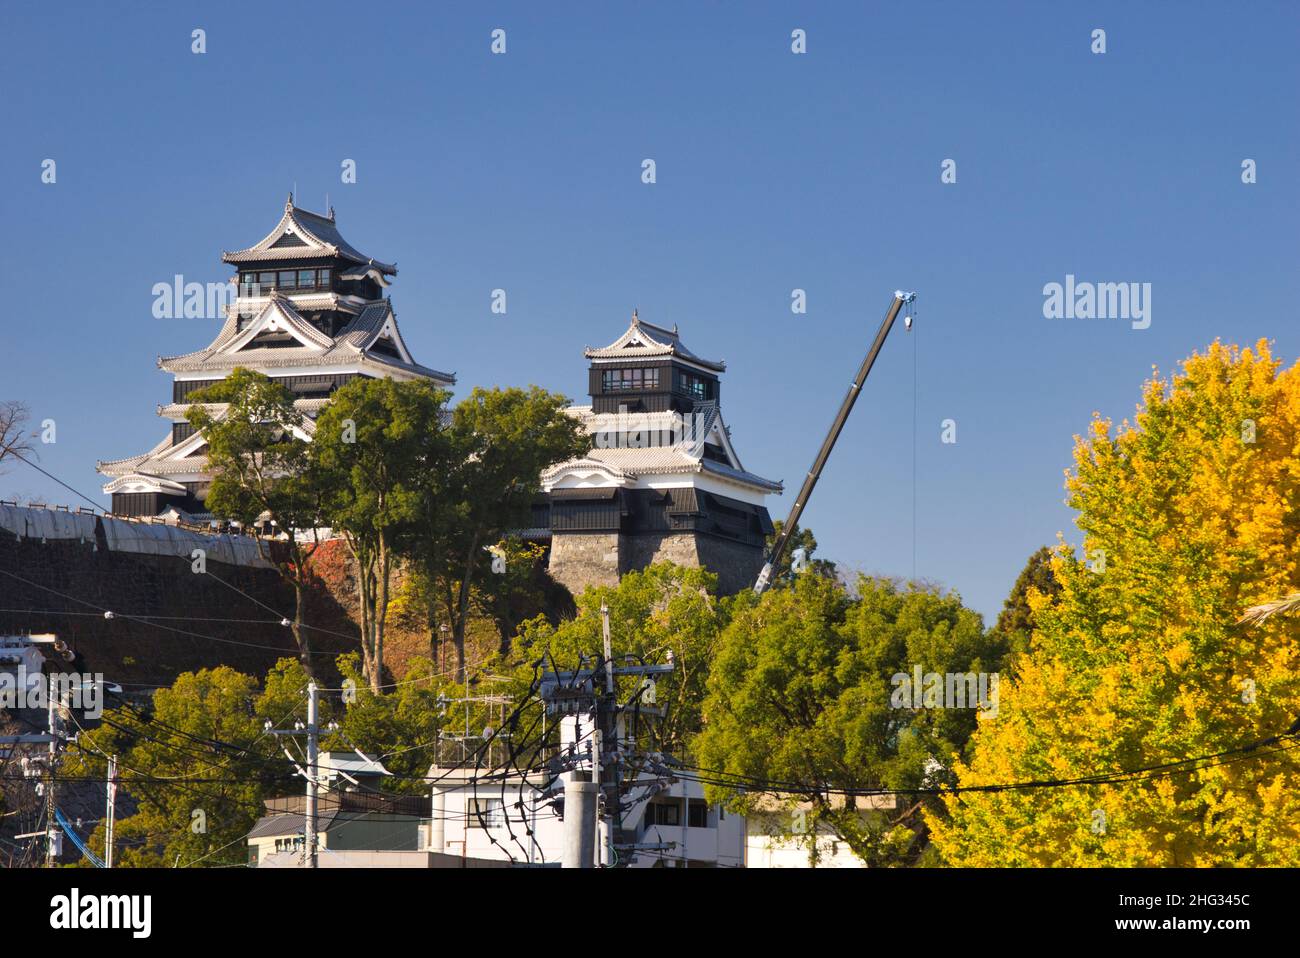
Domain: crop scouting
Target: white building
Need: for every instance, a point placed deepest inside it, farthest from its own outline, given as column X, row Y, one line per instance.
column 482, row 814
column 780, row 836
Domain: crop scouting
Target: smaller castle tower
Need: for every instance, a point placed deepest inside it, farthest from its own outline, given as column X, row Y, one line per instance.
column 662, row 481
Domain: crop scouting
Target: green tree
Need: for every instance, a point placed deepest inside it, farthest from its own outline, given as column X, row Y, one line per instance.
column 659, row 610
column 802, row 698
column 504, row 439
column 258, row 457
column 197, row 764
column 379, row 446
column 804, row 539
column 401, row 727
column 1015, row 622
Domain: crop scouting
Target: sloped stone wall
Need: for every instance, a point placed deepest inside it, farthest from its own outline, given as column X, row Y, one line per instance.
column 63, row 586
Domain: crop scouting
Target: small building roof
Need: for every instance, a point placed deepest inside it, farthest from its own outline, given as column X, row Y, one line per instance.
column 644, row 340
column 352, row 763
column 302, row 234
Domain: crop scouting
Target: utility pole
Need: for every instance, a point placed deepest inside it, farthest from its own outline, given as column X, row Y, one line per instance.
column 577, row 693
column 311, row 772
column 313, row 748
column 110, row 813
column 611, row 773
column 51, row 723
column 579, row 821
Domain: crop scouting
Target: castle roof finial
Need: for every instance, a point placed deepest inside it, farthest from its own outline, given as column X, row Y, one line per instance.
column 288, row 204
column 636, row 320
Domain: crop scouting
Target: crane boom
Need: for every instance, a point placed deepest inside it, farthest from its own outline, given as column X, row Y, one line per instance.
column 901, row 298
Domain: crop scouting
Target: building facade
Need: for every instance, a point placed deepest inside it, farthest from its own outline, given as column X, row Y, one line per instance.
column 663, row 480
column 311, row 313
column 517, row 816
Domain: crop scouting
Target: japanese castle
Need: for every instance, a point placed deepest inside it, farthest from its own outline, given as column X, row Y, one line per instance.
column 311, row 313
column 663, row 480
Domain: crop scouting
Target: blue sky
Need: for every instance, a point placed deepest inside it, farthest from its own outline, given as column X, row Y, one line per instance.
column 775, row 172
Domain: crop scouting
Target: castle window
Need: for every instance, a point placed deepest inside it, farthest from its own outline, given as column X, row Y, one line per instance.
column 288, row 279
column 616, row 380
column 306, row 278
column 697, row 387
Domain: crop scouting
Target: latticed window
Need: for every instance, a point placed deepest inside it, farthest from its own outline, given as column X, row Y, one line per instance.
column 616, row 380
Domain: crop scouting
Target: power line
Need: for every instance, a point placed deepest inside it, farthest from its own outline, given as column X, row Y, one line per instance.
column 743, row 782
column 156, row 625
column 10, row 450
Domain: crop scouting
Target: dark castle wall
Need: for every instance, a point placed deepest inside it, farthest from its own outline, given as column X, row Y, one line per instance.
column 128, row 651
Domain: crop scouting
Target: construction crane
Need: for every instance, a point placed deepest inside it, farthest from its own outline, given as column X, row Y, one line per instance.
column 901, row 299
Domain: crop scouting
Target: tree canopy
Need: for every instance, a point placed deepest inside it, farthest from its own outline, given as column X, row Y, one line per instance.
column 801, row 705
column 1189, row 515
column 196, row 763
column 380, row 448
column 257, row 451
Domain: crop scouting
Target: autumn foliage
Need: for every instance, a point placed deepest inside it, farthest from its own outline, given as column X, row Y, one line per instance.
column 1189, row 516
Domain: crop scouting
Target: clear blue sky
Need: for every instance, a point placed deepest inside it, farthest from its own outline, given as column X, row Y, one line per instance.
column 775, row 171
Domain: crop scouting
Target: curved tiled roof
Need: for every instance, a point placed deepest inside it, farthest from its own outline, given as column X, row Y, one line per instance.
column 684, row 455
column 350, row 347
column 320, row 236
column 300, row 301
column 644, row 340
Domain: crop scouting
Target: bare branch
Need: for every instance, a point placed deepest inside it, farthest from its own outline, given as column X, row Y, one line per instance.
column 15, row 442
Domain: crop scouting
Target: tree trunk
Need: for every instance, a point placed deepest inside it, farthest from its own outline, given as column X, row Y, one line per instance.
column 365, row 583
column 462, row 609
column 299, row 633
column 381, row 614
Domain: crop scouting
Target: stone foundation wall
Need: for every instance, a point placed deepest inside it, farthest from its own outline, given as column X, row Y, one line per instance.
column 737, row 565
column 643, row 549
column 582, row 559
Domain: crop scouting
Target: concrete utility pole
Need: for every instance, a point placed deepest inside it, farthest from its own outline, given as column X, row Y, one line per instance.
column 611, row 773
column 311, row 773
column 577, row 693
column 110, row 813
column 55, row 729
column 313, row 749
column 579, row 822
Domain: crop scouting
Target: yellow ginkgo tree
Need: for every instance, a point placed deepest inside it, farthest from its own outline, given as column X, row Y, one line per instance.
column 1145, row 670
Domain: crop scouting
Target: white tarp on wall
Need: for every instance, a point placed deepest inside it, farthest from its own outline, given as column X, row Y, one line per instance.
column 121, row 535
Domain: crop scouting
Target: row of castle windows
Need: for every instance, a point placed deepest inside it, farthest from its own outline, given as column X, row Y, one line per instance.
column 284, row 279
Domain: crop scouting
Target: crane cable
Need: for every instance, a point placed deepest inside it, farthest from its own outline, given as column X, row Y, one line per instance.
column 908, row 321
